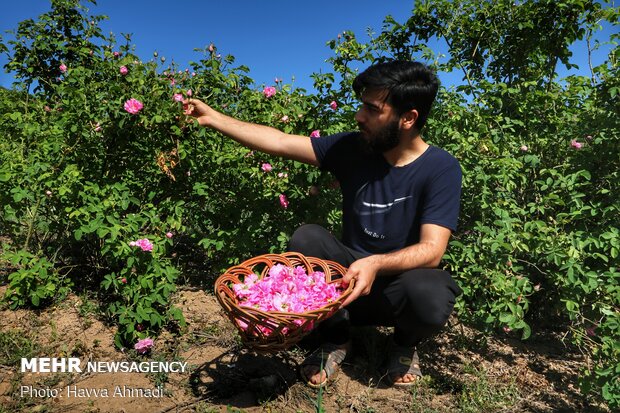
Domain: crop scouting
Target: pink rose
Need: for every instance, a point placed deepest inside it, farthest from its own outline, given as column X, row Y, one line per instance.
column 124, row 280
column 144, row 345
column 178, row 97
column 266, row 167
column 333, row 105
column 269, row 91
column 63, row 68
column 283, row 201
column 524, row 148
column 288, row 289
column 575, row 144
column 284, row 119
column 116, row 54
column 133, row 106
column 144, row 244
column 168, row 234
column 315, row 134
column 189, row 92
column 123, row 70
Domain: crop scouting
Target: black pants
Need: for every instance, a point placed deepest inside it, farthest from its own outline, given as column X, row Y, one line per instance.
column 417, row 303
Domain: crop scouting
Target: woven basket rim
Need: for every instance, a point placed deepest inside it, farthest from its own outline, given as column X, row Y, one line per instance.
column 274, row 320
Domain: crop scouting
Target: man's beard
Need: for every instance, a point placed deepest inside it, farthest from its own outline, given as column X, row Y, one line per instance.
column 384, row 139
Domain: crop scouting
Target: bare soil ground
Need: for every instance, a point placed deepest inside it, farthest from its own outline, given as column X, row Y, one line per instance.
column 463, row 371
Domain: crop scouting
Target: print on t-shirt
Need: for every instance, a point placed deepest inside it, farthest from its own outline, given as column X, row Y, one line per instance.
column 370, row 211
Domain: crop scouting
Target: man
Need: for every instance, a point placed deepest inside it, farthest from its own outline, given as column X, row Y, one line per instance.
column 400, row 206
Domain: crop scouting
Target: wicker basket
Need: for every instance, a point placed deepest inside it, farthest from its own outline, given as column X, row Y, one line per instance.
column 285, row 329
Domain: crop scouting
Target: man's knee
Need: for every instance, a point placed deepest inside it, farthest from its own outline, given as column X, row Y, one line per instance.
column 433, row 296
column 307, row 239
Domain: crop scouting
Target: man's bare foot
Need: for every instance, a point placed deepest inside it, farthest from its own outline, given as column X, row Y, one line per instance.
column 323, row 363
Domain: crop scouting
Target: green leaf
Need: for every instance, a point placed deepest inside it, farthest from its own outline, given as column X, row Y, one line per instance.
column 506, row 318
column 142, row 313
column 527, row 332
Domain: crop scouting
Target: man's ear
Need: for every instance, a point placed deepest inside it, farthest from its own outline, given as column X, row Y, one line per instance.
column 409, row 118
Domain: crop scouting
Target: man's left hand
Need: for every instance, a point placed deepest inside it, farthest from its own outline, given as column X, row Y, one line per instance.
column 363, row 271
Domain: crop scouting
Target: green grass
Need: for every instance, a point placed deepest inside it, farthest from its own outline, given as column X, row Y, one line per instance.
column 481, row 394
column 15, row 345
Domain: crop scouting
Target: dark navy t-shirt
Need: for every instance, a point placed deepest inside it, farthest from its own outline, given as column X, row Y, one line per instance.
column 384, row 206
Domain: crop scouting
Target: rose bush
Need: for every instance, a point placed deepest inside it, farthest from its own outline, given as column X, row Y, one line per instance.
column 95, row 155
column 108, row 168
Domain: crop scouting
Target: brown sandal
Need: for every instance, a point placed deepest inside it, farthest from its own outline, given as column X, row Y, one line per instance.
column 403, row 361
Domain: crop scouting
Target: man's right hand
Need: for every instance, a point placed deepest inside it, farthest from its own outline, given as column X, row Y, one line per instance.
column 197, row 109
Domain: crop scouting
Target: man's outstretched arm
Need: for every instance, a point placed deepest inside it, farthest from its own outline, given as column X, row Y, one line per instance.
column 259, row 137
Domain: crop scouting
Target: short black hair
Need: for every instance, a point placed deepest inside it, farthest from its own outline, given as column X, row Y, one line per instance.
column 409, row 85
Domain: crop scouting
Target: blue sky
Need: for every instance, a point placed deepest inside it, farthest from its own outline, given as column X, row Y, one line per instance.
column 275, row 38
